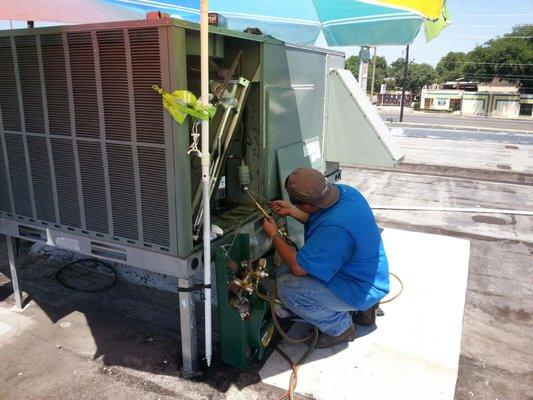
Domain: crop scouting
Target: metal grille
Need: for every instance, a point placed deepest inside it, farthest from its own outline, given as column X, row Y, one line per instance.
column 154, row 195
column 41, row 178
column 30, row 83
column 19, row 175
column 5, row 200
column 84, row 134
column 122, row 183
column 83, row 84
column 94, row 191
column 66, row 182
column 9, row 103
column 55, row 79
column 114, row 85
column 146, row 67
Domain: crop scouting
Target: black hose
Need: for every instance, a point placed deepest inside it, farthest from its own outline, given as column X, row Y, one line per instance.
column 89, row 262
column 271, row 297
column 293, row 381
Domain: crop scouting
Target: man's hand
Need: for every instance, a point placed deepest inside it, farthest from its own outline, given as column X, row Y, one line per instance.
column 282, row 208
column 269, row 226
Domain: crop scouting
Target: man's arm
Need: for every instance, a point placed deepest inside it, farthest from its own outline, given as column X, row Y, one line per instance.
column 285, row 251
column 284, row 208
column 288, row 255
column 299, row 215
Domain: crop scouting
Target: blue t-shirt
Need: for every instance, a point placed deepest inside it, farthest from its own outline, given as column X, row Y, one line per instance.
column 343, row 248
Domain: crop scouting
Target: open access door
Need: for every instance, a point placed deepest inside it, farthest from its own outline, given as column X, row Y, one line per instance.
column 354, row 132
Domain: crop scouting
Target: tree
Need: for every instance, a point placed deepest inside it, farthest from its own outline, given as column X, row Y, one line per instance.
column 396, row 70
column 418, row 75
column 381, row 72
column 352, row 64
column 509, row 57
column 451, row 67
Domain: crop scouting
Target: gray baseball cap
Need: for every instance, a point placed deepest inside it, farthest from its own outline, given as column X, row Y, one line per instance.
column 310, row 186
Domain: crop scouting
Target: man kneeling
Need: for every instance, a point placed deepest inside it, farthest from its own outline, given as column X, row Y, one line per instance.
column 342, row 266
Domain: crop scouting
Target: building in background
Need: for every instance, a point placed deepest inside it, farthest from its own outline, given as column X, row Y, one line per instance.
column 394, row 98
column 526, row 105
column 441, row 99
column 499, row 98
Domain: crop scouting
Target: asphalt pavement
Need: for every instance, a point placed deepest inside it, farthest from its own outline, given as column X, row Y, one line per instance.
column 393, row 114
column 464, row 135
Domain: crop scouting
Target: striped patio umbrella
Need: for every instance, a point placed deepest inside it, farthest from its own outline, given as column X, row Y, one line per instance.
column 343, row 22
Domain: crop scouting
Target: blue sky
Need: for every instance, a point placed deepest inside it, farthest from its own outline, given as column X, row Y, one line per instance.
column 473, row 22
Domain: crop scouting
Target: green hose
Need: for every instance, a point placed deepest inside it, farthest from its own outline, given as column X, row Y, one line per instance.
column 271, row 298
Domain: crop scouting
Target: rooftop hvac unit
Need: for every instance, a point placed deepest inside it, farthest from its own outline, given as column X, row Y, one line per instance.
column 91, row 162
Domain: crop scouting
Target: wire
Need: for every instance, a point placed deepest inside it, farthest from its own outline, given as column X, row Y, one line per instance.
column 223, row 247
column 109, row 267
column 489, row 37
column 484, row 26
column 484, row 63
column 501, row 75
column 474, row 75
column 493, row 15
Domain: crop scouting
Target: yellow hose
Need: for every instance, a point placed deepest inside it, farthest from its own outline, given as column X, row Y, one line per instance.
column 397, row 294
column 271, row 298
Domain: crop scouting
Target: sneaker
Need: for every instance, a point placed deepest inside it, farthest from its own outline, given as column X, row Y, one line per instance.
column 366, row 318
column 325, row 340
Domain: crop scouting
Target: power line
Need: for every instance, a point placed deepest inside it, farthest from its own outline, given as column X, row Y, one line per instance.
column 489, row 37
column 473, row 76
column 500, row 75
column 485, row 26
column 486, row 63
column 493, row 15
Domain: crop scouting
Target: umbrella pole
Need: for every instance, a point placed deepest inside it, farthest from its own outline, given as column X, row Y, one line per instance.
column 204, row 81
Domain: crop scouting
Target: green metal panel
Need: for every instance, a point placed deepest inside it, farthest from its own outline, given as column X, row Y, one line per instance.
column 290, row 158
column 293, row 82
column 180, row 139
column 240, row 341
column 192, row 44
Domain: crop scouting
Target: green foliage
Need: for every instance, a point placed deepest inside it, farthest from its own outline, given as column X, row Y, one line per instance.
column 451, row 67
column 418, row 75
column 381, row 72
column 352, row 64
column 508, row 57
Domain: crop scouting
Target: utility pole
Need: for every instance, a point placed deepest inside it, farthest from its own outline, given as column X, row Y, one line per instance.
column 364, row 57
column 404, row 82
column 373, row 75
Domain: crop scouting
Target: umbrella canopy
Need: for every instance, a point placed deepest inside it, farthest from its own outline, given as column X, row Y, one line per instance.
column 343, row 22
column 67, row 11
